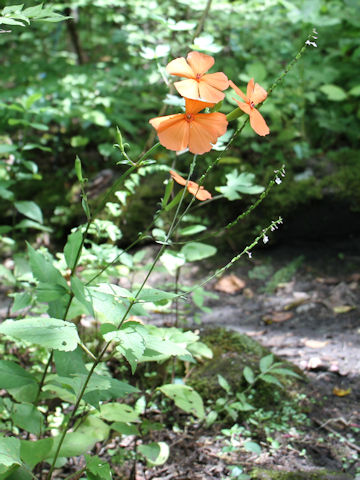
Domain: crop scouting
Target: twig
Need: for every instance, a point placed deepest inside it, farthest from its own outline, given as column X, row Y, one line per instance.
column 331, row 430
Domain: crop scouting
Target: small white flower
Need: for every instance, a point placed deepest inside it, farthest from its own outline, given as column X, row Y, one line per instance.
column 265, row 239
column 278, row 180
column 249, row 254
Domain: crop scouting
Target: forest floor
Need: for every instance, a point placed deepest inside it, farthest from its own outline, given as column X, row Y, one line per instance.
column 308, row 314
column 306, row 311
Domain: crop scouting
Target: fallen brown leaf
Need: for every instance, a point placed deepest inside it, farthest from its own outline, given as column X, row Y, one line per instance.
column 277, row 317
column 248, row 293
column 315, row 343
column 340, row 392
column 229, row 284
column 328, row 280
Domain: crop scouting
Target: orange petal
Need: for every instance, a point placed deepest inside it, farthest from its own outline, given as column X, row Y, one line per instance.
column 258, row 123
column 180, row 68
column 238, row 91
column 173, row 133
column 250, row 88
column 218, row 80
column 209, row 93
column 259, row 94
column 215, row 123
column 178, row 178
column 193, row 106
column 200, row 62
column 162, row 123
column 188, row 88
column 199, row 192
column 245, row 107
column 205, row 130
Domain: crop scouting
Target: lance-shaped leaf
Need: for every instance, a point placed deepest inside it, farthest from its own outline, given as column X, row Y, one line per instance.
column 46, row 332
column 71, row 248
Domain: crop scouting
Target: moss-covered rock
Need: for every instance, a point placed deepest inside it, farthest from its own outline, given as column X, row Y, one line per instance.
column 232, row 352
column 261, row 474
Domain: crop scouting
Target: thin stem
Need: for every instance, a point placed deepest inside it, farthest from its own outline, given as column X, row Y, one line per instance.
column 247, row 249
column 41, row 384
column 98, row 359
column 201, row 23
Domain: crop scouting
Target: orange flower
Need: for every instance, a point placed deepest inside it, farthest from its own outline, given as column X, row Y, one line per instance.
column 198, row 191
column 193, row 130
column 200, row 85
column 254, row 95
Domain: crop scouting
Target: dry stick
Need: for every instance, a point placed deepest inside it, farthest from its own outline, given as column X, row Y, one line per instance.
column 99, row 358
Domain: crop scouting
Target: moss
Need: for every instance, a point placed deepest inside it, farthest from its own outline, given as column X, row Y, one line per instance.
column 232, row 352
column 261, row 474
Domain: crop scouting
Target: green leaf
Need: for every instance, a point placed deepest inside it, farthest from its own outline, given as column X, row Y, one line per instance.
column 49, row 292
column 97, row 469
column 168, row 190
column 333, row 92
column 68, row 363
column 90, row 431
column 9, row 451
column 34, row 452
column 43, row 270
column 153, row 295
column 270, row 379
column 129, row 342
column 71, row 248
column 194, row 251
column 185, row 398
column 156, row 453
column 285, row 372
column 252, row 447
column 162, row 343
column 172, row 261
column 7, row 148
column 28, row 417
column 125, row 428
column 10, row 21
column 266, row 362
column 21, row 301
column 30, row 210
column 24, row 224
column 32, row 99
column 239, row 183
column 192, row 230
column 118, row 412
column 224, row 383
column 355, row 91
column 249, row 375
column 47, row 332
column 12, row 375
column 81, row 294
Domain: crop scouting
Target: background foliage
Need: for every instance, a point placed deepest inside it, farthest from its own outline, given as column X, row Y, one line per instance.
column 65, row 86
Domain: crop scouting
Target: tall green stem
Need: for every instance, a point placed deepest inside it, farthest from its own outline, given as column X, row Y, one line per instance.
column 99, row 358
